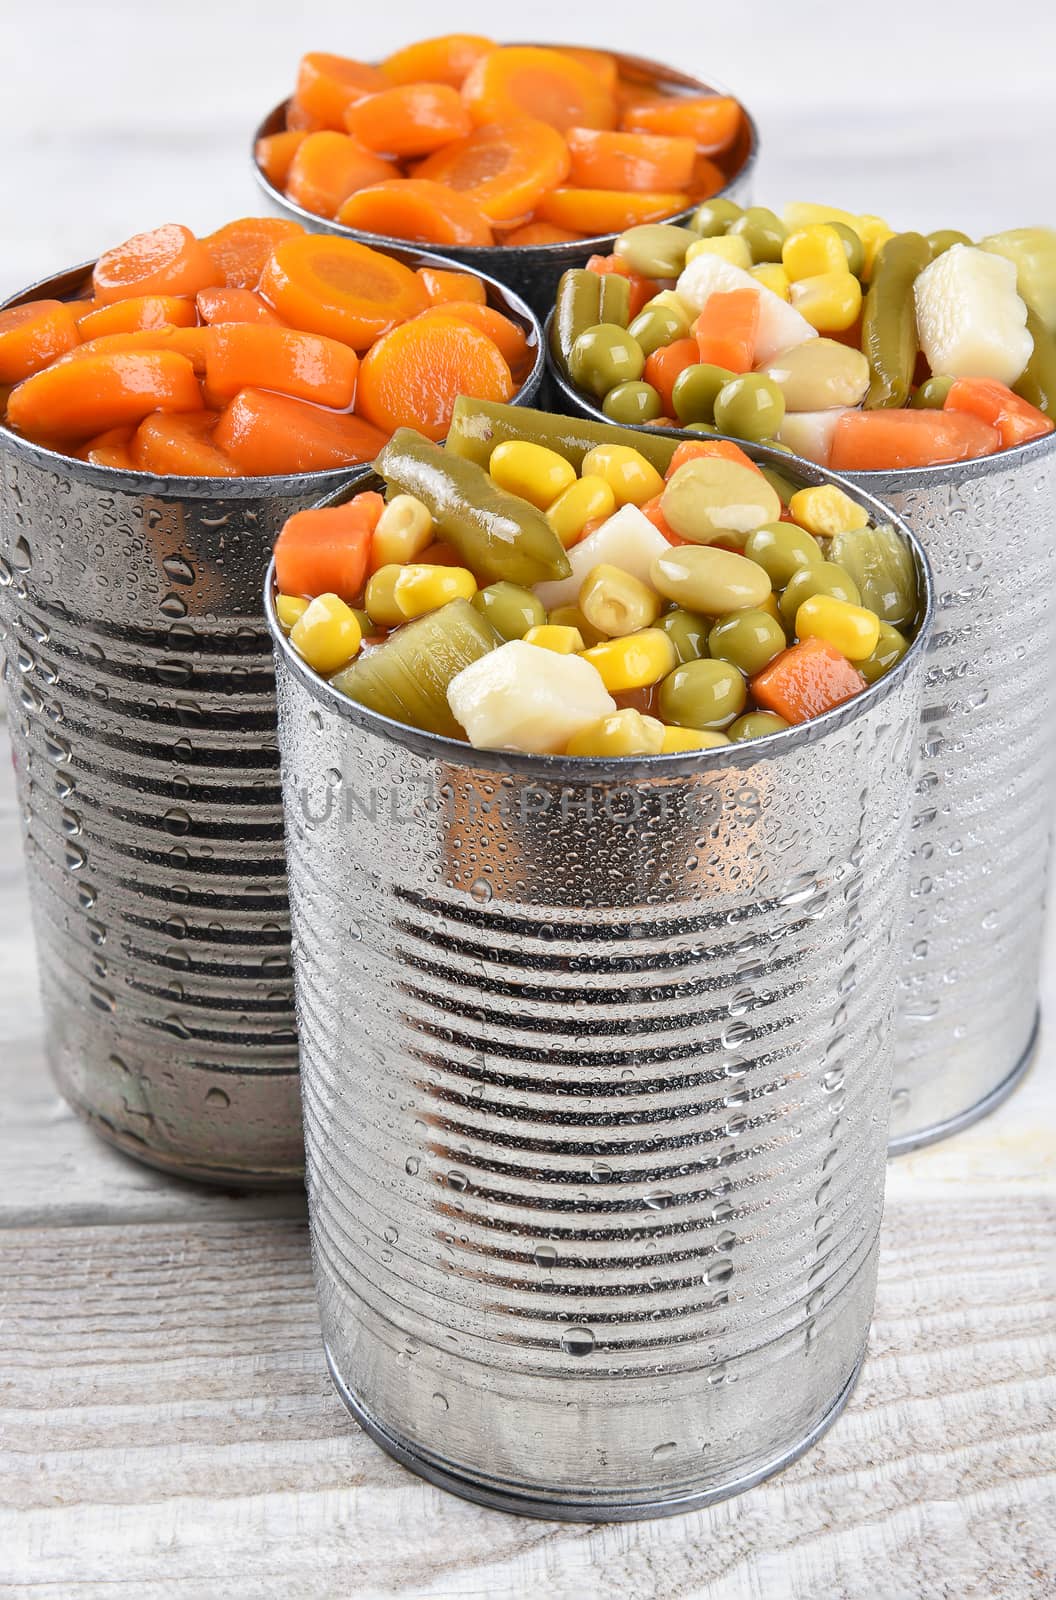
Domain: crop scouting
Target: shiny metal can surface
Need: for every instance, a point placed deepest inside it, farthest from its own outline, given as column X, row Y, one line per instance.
column 140, row 687
column 595, row 1062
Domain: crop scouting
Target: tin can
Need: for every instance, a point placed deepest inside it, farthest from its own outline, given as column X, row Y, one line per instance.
column 140, row 686
column 596, row 1070
column 534, row 270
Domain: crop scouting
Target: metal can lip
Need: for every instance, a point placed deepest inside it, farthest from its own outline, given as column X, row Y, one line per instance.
column 568, row 254
column 176, row 487
column 589, row 770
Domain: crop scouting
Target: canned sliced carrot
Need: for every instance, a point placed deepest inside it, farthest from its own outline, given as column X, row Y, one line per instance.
column 340, row 288
column 527, row 81
column 308, row 366
column 77, row 398
column 608, row 210
column 410, row 120
column 327, row 85
column 445, row 59
column 329, row 167
column 418, row 210
column 34, row 334
column 601, row 159
column 504, row 168
column 165, row 260
column 271, row 433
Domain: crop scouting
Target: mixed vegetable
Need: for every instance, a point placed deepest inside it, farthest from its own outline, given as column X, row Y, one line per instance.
column 460, row 141
column 258, row 349
column 554, row 586
column 824, row 331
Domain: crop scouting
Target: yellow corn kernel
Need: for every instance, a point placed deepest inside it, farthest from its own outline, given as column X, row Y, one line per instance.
column 379, row 601
column 852, row 630
column 551, row 636
column 874, row 233
column 804, row 214
column 731, row 248
column 419, row 589
column 289, row 608
column 633, row 662
column 772, row 276
column 327, row 635
column 405, row 528
column 532, row 471
column 830, row 301
column 616, row 602
column 676, row 739
column 572, row 617
column 622, row 733
column 826, row 511
column 632, row 479
column 586, row 500
column 813, row 251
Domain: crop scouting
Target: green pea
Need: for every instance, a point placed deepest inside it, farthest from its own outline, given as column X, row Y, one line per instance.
column 890, row 648
column 931, row 396
column 852, row 246
column 708, row 429
column 655, row 249
column 604, row 356
column 750, row 407
column 614, row 299
column 702, row 694
column 756, row 725
column 656, row 326
column 695, row 390
column 762, row 231
column 688, row 633
column 781, row 549
column 748, row 640
column 941, row 240
column 714, row 217
column 824, row 577
column 633, row 402
column 881, row 565
column 510, row 609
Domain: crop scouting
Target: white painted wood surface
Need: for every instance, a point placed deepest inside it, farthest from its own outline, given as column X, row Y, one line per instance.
column 167, row 1430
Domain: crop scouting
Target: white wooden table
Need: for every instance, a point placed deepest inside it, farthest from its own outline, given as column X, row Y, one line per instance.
column 167, row 1430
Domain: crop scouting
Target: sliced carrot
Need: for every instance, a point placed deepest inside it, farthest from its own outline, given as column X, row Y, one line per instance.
column 298, row 120
column 608, row 210
column 442, row 286
column 31, row 335
column 416, row 209
column 642, row 289
column 706, row 179
column 275, row 151
column 865, row 441
column 192, row 343
column 505, row 168
column 445, row 59
column 329, row 167
column 652, row 510
column 109, row 449
column 712, row 121
column 694, row 449
column 727, row 329
column 327, row 85
column 77, row 398
column 340, row 288
column 604, row 67
column 307, row 366
column 412, row 376
column 541, row 233
column 165, row 260
column 140, row 311
column 526, row 81
column 501, row 330
column 180, row 444
column 241, row 248
column 268, row 433
column 325, row 550
column 806, row 680
column 664, row 366
column 412, row 119
column 1015, row 419
column 606, row 160
column 234, row 305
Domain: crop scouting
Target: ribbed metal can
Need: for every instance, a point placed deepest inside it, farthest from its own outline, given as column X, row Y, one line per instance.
column 141, row 695
column 596, row 1064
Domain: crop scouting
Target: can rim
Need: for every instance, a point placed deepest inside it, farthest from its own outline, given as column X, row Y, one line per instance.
column 183, row 487
column 593, row 769
column 566, row 253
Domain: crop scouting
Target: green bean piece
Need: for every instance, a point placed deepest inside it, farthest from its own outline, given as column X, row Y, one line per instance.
column 604, row 356
column 882, row 566
column 688, row 632
column 696, row 389
column 702, row 694
column 510, row 609
column 1038, row 381
column 477, row 426
column 748, row 640
column 755, row 725
column 498, row 535
column 762, row 231
column 714, row 217
column 577, row 307
column 931, row 396
column 941, row 240
column 890, row 648
column 614, row 299
column 633, row 402
column 406, row 677
column 889, row 320
column 852, row 246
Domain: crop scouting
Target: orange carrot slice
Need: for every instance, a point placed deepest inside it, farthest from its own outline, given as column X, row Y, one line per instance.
column 241, row 248
column 526, row 81
column 806, row 680
column 693, row 449
column 307, row 366
column 192, row 343
column 442, row 286
column 234, row 305
column 329, row 167
column 140, row 311
column 410, row 120
column 638, row 161
column 412, row 377
column 501, row 330
column 727, row 328
column 34, row 334
column 706, row 179
column 77, row 398
column 325, row 550
column 712, row 121
column 416, row 209
column 340, row 288
column 608, row 210
column 642, row 289
column 504, row 168
column 109, row 449
column 298, row 120
column 541, row 233
column 270, row 433
column 180, row 444
column 1015, row 419
column 652, row 509
column 865, row 441
column 327, row 85
column 665, row 365
column 604, row 67
column 445, row 59
column 165, row 260
column 275, row 151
